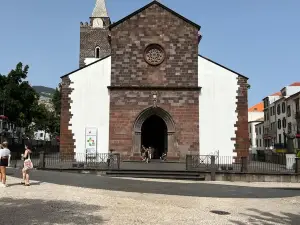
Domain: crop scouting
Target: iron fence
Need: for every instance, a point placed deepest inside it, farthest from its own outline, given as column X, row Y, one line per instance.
column 50, row 160
column 251, row 164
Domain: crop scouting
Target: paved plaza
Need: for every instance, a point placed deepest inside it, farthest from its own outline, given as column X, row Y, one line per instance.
column 65, row 198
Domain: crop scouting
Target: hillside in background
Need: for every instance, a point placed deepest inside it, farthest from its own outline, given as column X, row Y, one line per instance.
column 44, row 91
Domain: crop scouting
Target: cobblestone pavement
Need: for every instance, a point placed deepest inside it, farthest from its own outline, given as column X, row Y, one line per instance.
column 64, row 198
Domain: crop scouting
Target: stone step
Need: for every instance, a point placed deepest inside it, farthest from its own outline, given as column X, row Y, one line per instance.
column 159, row 174
column 169, row 177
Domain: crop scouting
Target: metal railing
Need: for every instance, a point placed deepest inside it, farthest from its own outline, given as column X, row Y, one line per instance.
column 251, row 164
column 44, row 160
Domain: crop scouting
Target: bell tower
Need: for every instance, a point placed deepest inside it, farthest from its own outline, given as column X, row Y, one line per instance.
column 94, row 36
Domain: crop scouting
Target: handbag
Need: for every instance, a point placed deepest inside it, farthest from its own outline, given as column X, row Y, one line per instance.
column 28, row 164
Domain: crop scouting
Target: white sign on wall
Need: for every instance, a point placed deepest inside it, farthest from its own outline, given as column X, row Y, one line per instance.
column 91, row 140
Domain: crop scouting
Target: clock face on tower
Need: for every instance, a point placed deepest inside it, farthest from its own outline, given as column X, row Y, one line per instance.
column 98, row 22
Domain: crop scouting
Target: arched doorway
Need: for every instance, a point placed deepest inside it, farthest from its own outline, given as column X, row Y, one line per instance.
column 165, row 130
column 155, row 134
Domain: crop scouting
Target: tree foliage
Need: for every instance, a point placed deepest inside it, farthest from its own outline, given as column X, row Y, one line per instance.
column 56, row 101
column 19, row 102
column 18, row 99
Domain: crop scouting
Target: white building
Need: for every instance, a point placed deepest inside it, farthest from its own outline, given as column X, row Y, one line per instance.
column 151, row 87
column 255, row 116
column 280, row 110
column 41, row 135
column 259, row 129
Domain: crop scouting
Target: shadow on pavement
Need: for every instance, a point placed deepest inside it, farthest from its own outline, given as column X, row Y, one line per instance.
column 196, row 189
column 40, row 212
column 258, row 217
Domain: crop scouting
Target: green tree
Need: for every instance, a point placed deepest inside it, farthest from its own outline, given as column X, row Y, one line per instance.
column 56, row 97
column 17, row 98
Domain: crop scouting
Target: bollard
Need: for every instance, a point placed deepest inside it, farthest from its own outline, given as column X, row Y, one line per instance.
column 213, row 168
column 297, row 167
column 244, row 167
column 42, row 160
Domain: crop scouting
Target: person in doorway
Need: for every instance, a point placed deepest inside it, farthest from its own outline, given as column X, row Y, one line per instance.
column 4, row 155
column 143, row 151
column 151, row 152
column 27, row 165
column 147, row 155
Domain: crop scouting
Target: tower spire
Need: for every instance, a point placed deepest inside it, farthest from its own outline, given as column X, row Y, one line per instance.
column 100, row 9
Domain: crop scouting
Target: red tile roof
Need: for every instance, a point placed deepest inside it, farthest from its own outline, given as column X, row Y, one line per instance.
column 276, row 94
column 295, row 84
column 257, row 108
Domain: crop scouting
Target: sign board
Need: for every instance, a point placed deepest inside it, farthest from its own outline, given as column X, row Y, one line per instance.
column 91, row 140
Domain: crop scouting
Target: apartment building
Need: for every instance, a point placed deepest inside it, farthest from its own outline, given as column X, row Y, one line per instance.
column 255, row 116
column 270, row 120
column 281, row 113
column 259, row 130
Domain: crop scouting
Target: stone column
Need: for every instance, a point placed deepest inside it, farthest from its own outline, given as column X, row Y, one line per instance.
column 172, row 149
column 137, row 144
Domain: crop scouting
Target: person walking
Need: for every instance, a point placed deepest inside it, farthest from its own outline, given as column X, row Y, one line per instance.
column 4, row 155
column 27, row 165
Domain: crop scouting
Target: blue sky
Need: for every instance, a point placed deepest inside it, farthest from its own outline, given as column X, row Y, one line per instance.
column 258, row 38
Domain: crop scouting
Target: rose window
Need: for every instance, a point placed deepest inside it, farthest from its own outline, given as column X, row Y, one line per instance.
column 154, row 54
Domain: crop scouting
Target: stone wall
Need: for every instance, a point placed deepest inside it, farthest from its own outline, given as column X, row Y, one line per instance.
column 154, row 25
column 67, row 142
column 125, row 107
column 242, row 142
column 90, row 38
column 175, row 78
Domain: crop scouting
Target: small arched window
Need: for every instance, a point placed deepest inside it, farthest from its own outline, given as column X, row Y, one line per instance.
column 283, row 108
column 284, row 122
column 97, row 52
column 279, row 124
column 278, row 109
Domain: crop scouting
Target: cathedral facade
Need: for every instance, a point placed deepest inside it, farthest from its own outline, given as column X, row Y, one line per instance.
column 141, row 81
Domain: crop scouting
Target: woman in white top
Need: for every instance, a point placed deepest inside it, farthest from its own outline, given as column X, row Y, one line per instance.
column 4, row 155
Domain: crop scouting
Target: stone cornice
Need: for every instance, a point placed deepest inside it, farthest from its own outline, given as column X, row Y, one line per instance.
column 160, row 88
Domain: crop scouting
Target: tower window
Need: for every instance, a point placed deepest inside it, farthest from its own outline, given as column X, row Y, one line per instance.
column 97, row 52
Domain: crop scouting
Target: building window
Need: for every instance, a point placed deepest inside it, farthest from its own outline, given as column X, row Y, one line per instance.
column 297, row 105
column 274, row 110
column 279, row 124
column 259, row 130
column 279, row 138
column 288, row 110
column 41, row 135
column 289, row 127
column 250, row 128
column 284, row 122
column 256, row 131
column 259, row 142
column 278, row 109
column 97, row 52
column 283, row 107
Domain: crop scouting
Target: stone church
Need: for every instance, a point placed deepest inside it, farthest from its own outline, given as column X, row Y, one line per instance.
column 141, row 81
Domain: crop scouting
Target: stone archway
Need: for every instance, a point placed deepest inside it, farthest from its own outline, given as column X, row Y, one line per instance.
column 142, row 117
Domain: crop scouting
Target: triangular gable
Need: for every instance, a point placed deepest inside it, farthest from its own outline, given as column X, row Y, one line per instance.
column 147, row 6
column 224, row 67
column 85, row 66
